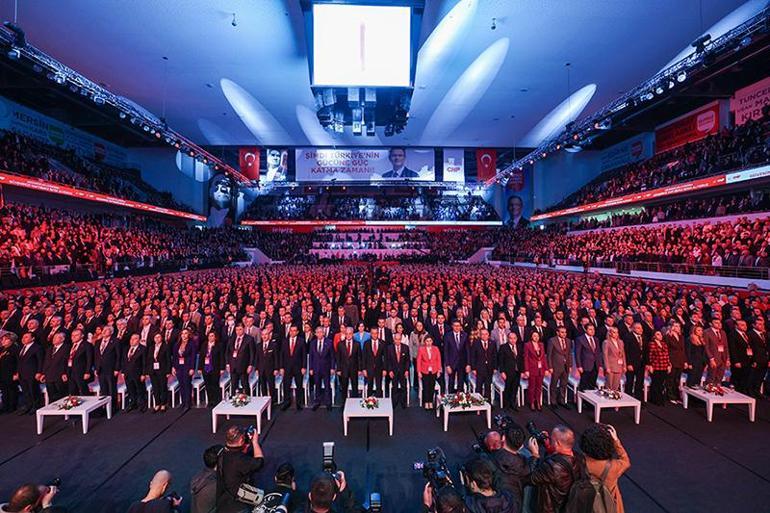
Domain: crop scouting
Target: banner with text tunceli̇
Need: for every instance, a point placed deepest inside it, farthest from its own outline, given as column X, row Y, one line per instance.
column 749, row 101
column 20, row 119
column 395, row 164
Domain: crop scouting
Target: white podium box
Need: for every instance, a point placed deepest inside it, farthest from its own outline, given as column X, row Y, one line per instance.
column 730, row 397
column 600, row 402
column 89, row 404
column 255, row 408
column 353, row 409
column 486, row 407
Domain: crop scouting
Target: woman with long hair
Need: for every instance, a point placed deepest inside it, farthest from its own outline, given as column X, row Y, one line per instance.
column 659, row 365
column 428, row 370
column 696, row 356
column 535, row 369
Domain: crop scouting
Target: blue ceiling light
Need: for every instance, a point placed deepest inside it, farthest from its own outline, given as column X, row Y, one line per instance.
column 260, row 122
column 555, row 121
column 466, row 92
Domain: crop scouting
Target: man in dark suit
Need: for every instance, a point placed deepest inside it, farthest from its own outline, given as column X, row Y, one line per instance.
column 760, row 356
column 322, row 367
column 211, row 359
column 509, row 364
column 348, row 364
column 170, row 333
column 266, row 363
column 9, row 367
column 717, row 352
column 456, row 357
column 635, row 346
column 483, row 360
column 340, row 320
column 398, row 370
column 588, row 356
column 228, row 330
column 107, row 364
column 397, row 158
column 55, row 368
column 133, row 367
column 374, row 363
column 385, row 335
column 293, row 358
column 239, row 359
column 559, row 355
column 79, row 364
column 738, row 341
column 30, row 373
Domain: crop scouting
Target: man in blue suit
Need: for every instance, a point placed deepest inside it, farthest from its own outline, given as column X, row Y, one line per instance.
column 322, row 367
column 588, row 356
column 456, row 357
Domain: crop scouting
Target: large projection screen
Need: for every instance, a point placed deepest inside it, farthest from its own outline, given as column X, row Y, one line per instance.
column 361, row 45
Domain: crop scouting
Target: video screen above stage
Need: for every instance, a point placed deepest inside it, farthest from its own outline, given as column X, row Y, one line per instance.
column 365, row 165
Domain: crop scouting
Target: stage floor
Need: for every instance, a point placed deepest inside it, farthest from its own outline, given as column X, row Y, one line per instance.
column 680, row 462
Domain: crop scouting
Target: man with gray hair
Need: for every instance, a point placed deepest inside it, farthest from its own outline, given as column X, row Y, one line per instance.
column 107, row 364
column 55, row 369
column 79, row 364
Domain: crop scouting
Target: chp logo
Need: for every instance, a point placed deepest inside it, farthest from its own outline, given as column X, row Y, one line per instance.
column 705, row 121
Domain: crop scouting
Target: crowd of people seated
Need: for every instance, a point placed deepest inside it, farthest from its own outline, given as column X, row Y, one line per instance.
column 687, row 208
column 31, row 157
column 733, row 148
column 34, row 239
column 741, row 243
column 378, row 207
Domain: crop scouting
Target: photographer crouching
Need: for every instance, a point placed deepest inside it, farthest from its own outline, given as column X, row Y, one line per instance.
column 241, row 458
column 329, row 493
column 33, row 498
column 504, row 448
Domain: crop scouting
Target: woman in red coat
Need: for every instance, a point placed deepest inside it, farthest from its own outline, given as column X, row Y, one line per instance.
column 535, row 369
column 428, row 369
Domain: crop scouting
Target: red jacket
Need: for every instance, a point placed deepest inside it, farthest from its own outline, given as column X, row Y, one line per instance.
column 424, row 362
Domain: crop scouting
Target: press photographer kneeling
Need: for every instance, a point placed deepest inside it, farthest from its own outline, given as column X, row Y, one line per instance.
column 241, row 458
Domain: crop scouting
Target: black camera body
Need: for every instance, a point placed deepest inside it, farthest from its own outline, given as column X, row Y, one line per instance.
column 435, row 469
column 538, row 435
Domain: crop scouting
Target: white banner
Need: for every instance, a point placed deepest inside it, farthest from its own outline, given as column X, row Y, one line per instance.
column 365, row 165
column 454, row 165
column 748, row 174
column 749, row 101
column 627, row 152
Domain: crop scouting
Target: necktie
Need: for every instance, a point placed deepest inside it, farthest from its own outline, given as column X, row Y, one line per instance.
column 591, row 343
column 103, row 346
column 72, row 351
column 320, row 345
column 237, row 344
column 24, row 351
column 291, row 347
column 131, row 353
column 350, row 348
column 484, row 345
column 561, row 343
column 398, row 353
column 375, row 347
column 457, row 340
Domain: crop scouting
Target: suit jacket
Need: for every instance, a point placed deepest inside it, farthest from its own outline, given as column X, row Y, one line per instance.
column 293, row 362
column 508, row 361
column 135, row 366
column 716, row 346
column 322, row 361
column 586, row 358
column 374, row 363
column 82, row 359
column 454, row 356
column 216, row 356
column 401, row 366
column 759, row 348
column 151, row 331
column 557, row 358
column 499, row 336
column 349, row 361
column 739, row 348
column 535, row 363
column 240, row 360
column 9, row 363
column 676, row 350
column 483, row 361
column 614, row 357
column 427, row 362
column 266, row 359
column 636, row 355
column 31, row 362
column 163, row 360
column 55, row 364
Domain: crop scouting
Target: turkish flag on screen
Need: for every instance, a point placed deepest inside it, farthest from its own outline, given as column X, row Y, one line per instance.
column 486, row 164
column 248, row 160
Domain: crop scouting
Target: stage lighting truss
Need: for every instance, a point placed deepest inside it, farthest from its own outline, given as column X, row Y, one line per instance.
column 17, row 49
column 576, row 136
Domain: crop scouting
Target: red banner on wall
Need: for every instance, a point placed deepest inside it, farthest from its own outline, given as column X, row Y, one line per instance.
column 248, row 160
column 689, row 128
column 486, row 164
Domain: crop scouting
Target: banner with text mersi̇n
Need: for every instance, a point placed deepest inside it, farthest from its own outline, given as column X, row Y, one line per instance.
column 365, row 165
column 747, row 103
column 691, row 127
column 454, row 165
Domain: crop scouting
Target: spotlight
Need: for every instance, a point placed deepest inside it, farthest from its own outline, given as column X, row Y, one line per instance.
column 671, row 83
column 647, row 96
column 99, row 100
column 146, row 128
column 157, row 135
column 177, row 145
column 544, row 154
column 701, row 43
column 681, row 76
column 558, row 147
column 531, row 162
column 74, row 88
column 191, row 153
column 59, row 78
column 14, row 54
column 122, row 115
column 134, row 121
column 659, row 89
column 37, row 68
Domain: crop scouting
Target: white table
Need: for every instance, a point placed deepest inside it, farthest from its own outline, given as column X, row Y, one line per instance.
column 353, row 409
column 599, row 402
column 730, row 397
column 486, row 407
column 256, row 406
column 89, row 404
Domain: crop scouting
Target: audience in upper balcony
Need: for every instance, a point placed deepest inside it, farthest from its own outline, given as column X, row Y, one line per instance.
column 732, row 148
column 28, row 156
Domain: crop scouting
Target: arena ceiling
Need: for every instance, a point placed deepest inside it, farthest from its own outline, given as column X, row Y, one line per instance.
column 475, row 85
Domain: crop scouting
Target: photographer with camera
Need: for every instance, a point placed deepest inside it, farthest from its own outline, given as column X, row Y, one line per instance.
column 236, row 466
column 483, row 497
column 156, row 500
column 203, row 485
column 286, row 484
column 554, row 473
column 503, row 449
column 329, row 493
column 445, row 500
column 33, row 498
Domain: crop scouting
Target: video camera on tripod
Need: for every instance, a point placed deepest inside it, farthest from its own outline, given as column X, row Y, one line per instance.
column 434, row 469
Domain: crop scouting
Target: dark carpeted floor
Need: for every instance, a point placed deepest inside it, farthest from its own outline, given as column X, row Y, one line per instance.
column 680, row 462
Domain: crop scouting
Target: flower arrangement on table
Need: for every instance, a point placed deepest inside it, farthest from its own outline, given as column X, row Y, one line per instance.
column 615, row 395
column 370, row 403
column 70, row 402
column 711, row 388
column 240, row 399
column 462, row 400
